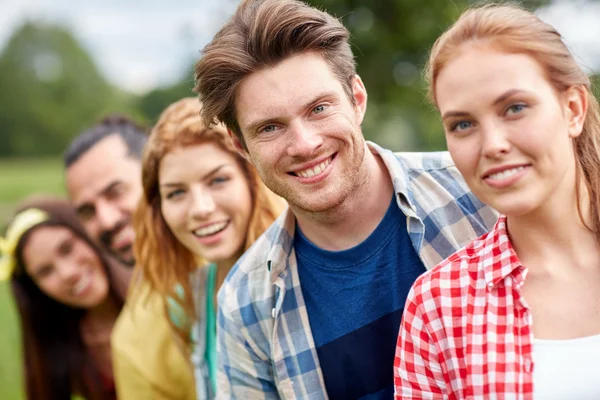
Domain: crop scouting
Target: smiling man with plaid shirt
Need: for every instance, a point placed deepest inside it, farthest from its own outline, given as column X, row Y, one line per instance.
column 312, row 310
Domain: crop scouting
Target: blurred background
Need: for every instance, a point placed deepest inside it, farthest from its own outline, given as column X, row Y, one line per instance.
column 64, row 64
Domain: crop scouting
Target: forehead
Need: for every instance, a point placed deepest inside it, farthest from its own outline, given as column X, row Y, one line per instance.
column 478, row 75
column 107, row 161
column 41, row 245
column 280, row 89
column 190, row 162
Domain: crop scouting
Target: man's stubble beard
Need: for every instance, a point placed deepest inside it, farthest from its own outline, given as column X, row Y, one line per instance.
column 349, row 182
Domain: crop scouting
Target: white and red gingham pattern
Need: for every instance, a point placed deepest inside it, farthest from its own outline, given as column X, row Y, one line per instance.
column 466, row 330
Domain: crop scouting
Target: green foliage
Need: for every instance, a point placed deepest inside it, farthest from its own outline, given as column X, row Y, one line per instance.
column 51, row 90
column 390, row 40
column 155, row 101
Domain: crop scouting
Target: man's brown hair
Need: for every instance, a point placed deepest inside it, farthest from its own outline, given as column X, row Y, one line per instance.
column 260, row 34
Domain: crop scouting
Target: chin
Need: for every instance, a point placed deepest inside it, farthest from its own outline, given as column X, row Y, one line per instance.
column 515, row 209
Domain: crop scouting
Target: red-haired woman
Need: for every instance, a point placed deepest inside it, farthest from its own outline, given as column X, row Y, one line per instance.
column 514, row 315
column 203, row 206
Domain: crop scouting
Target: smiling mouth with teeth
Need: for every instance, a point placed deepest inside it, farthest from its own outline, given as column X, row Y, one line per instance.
column 211, row 229
column 81, row 284
column 506, row 173
column 316, row 170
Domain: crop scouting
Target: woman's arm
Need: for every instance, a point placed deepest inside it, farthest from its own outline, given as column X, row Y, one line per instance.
column 417, row 368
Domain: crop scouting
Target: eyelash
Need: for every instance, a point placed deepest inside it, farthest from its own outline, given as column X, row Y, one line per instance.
column 454, row 126
column 263, row 129
column 324, row 106
column 512, row 106
column 219, row 180
column 174, row 193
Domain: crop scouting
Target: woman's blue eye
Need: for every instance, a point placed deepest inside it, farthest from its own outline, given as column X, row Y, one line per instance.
column 461, row 126
column 515, row 108
column 174, row 193
column 218, row 180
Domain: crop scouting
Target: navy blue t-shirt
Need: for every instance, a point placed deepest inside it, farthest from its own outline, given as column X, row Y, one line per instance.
column 354, row 299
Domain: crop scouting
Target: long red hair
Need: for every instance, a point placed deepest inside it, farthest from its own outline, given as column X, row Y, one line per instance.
column 514, row 30
column 164, row 262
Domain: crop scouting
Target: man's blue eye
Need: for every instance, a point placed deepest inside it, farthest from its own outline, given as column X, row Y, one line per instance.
column 319, row 109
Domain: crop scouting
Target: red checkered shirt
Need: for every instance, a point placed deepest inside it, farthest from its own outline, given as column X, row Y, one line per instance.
column 466, row 331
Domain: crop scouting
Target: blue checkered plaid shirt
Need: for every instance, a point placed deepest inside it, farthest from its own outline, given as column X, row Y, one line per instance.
column 265, row 345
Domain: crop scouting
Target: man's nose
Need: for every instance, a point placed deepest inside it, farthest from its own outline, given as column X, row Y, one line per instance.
column 304, row 139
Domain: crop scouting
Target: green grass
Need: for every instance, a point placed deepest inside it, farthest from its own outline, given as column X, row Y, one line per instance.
column 18, row 180
column 11, row 386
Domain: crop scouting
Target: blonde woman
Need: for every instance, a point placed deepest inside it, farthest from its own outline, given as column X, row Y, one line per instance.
column 515, row 313
column 203, row 206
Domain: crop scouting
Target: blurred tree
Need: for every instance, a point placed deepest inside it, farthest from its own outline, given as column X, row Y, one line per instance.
column 154, row 102
column 51, row 89
column 390, row 39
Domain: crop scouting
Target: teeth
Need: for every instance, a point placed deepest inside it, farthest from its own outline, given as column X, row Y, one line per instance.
column 505, row 174
column 79, row 286
column 120, row 236
column 310, row 172
column 211, row 229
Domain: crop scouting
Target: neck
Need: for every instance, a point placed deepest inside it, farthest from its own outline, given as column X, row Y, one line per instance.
column 105, row 311
column 556, row 231
column 351, row 222
column 223, row 268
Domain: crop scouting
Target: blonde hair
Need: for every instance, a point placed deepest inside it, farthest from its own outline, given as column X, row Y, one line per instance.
column 512, row 29
column 163, row 261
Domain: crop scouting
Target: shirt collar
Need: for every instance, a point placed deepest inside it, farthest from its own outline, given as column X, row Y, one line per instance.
column 284, row 237
column 498, row 255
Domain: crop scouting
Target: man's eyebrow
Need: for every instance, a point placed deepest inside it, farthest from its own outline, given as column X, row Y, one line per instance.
column 253, row 125
column 110, row 186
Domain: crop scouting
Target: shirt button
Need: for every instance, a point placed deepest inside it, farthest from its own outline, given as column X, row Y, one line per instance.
column 273, row 312
column 528, row 365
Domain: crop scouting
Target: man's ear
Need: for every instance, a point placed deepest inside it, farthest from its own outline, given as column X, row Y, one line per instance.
column 360, row 97
column 239, row 147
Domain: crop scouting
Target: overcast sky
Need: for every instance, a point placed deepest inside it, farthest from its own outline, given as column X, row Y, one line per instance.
column 141, row 44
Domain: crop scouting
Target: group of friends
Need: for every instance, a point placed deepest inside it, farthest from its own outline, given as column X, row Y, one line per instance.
column 255, row 246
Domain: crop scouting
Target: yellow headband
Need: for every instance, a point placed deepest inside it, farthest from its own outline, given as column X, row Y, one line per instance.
column 21, row 223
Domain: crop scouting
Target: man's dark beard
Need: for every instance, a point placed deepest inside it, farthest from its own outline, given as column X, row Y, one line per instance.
column 106, row 238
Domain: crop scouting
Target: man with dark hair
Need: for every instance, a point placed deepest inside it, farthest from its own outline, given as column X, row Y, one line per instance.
column 312, row 310
column 104, row 181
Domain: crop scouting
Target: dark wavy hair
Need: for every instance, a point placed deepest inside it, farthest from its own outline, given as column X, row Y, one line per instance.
column 56, row 362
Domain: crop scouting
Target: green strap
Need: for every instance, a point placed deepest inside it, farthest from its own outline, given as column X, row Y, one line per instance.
column 211, row 327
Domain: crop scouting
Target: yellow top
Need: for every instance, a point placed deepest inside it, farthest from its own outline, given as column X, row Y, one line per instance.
column 147, row 363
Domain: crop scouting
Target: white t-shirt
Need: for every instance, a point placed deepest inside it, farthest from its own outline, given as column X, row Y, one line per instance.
column 566, row 369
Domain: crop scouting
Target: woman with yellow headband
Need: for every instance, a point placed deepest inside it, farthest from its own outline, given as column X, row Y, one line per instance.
column 66, row 294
